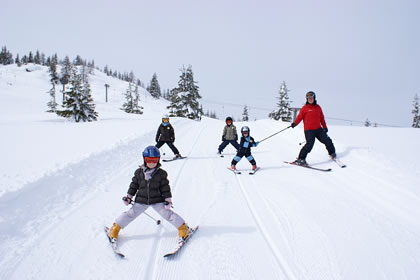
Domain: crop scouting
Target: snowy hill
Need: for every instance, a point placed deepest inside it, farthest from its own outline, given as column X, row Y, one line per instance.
column 61, row 182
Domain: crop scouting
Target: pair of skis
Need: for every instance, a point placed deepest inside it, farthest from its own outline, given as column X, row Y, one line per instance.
column 116, row 250
column 252, row 172
column 339, row 163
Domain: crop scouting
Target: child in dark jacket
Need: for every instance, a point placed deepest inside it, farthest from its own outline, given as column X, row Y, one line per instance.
column 245, row 149
column 166, row 135
column 149, row 187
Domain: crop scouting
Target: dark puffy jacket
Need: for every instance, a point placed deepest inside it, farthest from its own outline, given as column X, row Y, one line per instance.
column 150, row 192
column 165, row 133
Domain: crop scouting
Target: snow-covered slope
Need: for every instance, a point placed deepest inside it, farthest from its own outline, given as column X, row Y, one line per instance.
column 61, row 182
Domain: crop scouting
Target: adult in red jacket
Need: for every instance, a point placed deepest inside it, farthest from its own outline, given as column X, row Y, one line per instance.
column 314, row 126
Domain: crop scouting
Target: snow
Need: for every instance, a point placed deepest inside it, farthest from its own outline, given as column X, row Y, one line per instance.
column 61, row 182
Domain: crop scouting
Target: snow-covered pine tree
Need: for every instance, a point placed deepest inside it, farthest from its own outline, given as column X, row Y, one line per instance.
column 416, row 113
column 283, row 111
column 245, row 114
column 154, row 88
column 78, row 103
column 184, row 98
column 52, row 104
column 66, row 72
column 137, row 108
column 132, row 99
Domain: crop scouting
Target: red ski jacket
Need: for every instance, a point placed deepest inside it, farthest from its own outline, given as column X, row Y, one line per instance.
column 312, row 117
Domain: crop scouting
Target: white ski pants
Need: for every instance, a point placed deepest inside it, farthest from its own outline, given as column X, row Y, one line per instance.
column 127, row 217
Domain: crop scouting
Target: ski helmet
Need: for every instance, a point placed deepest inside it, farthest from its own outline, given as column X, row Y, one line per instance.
column 151, row 151
column 165, row 118
column 245, row 129
column 229, row 119
column 310, row 94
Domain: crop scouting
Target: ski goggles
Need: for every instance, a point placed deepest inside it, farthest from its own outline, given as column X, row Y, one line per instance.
column 310, row 94
column 229, row 122
column 165, row 120
column 151, row 159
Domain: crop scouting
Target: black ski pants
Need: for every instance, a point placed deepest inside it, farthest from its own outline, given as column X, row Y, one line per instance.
column 170, row 144
column 310, row 136
column 227, row 142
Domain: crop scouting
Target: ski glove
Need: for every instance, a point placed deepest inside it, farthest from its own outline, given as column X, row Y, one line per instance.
column 127, row 199
column 223, row 138
column 326, row 130
column 293, row 125
column 168, row 203
column 256, row 144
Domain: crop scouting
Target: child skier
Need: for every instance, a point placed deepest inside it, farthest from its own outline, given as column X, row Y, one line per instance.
column 230, row 136
column 149, row 187
column 245, row 149
column 166, row 134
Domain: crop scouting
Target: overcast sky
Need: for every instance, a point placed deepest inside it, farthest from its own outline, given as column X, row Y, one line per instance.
column 361, row 57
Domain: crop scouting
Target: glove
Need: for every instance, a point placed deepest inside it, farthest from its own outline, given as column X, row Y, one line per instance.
column 168, row 203
column 223, row 138
column 326, row 130
column 256, row 143
column 236, row 137
column 127, row 199
column 293, row 125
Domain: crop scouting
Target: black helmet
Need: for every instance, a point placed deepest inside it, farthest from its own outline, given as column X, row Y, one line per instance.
column 245, row 129
column 229, row 119
column 310, row 93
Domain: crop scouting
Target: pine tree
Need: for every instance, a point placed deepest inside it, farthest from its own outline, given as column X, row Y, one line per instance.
column 52, row 104
column 17, row 61
column 6, row 57
column 245, row 115
column 30, row 58
column 137, row 108
column 184, row 98
column 416, row 113
column 132, row 98
column 66, row 72
column 37, row 58
column 283, row 111
column 79, row 103
column 154, row 88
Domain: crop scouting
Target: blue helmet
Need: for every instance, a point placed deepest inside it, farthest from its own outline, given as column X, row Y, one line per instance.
column 245, row 129
column 151, row 151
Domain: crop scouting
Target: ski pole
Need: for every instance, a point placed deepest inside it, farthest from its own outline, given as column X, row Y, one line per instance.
column 302, row 142
column 132, row 203
column 275, row 133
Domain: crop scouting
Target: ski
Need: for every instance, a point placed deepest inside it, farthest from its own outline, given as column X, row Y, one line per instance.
column 172, row 159
column 310, row 167
column 113, row 244
column 181, row 244
column 339, row 163
column 234, row 170
column 252, row 172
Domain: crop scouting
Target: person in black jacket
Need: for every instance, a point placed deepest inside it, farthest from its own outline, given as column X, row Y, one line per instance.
column 149, row 187
column 245, row 149
column 166, row 134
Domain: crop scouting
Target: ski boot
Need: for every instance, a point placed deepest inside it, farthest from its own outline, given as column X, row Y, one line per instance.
column 183, row 232
column 113, row 232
